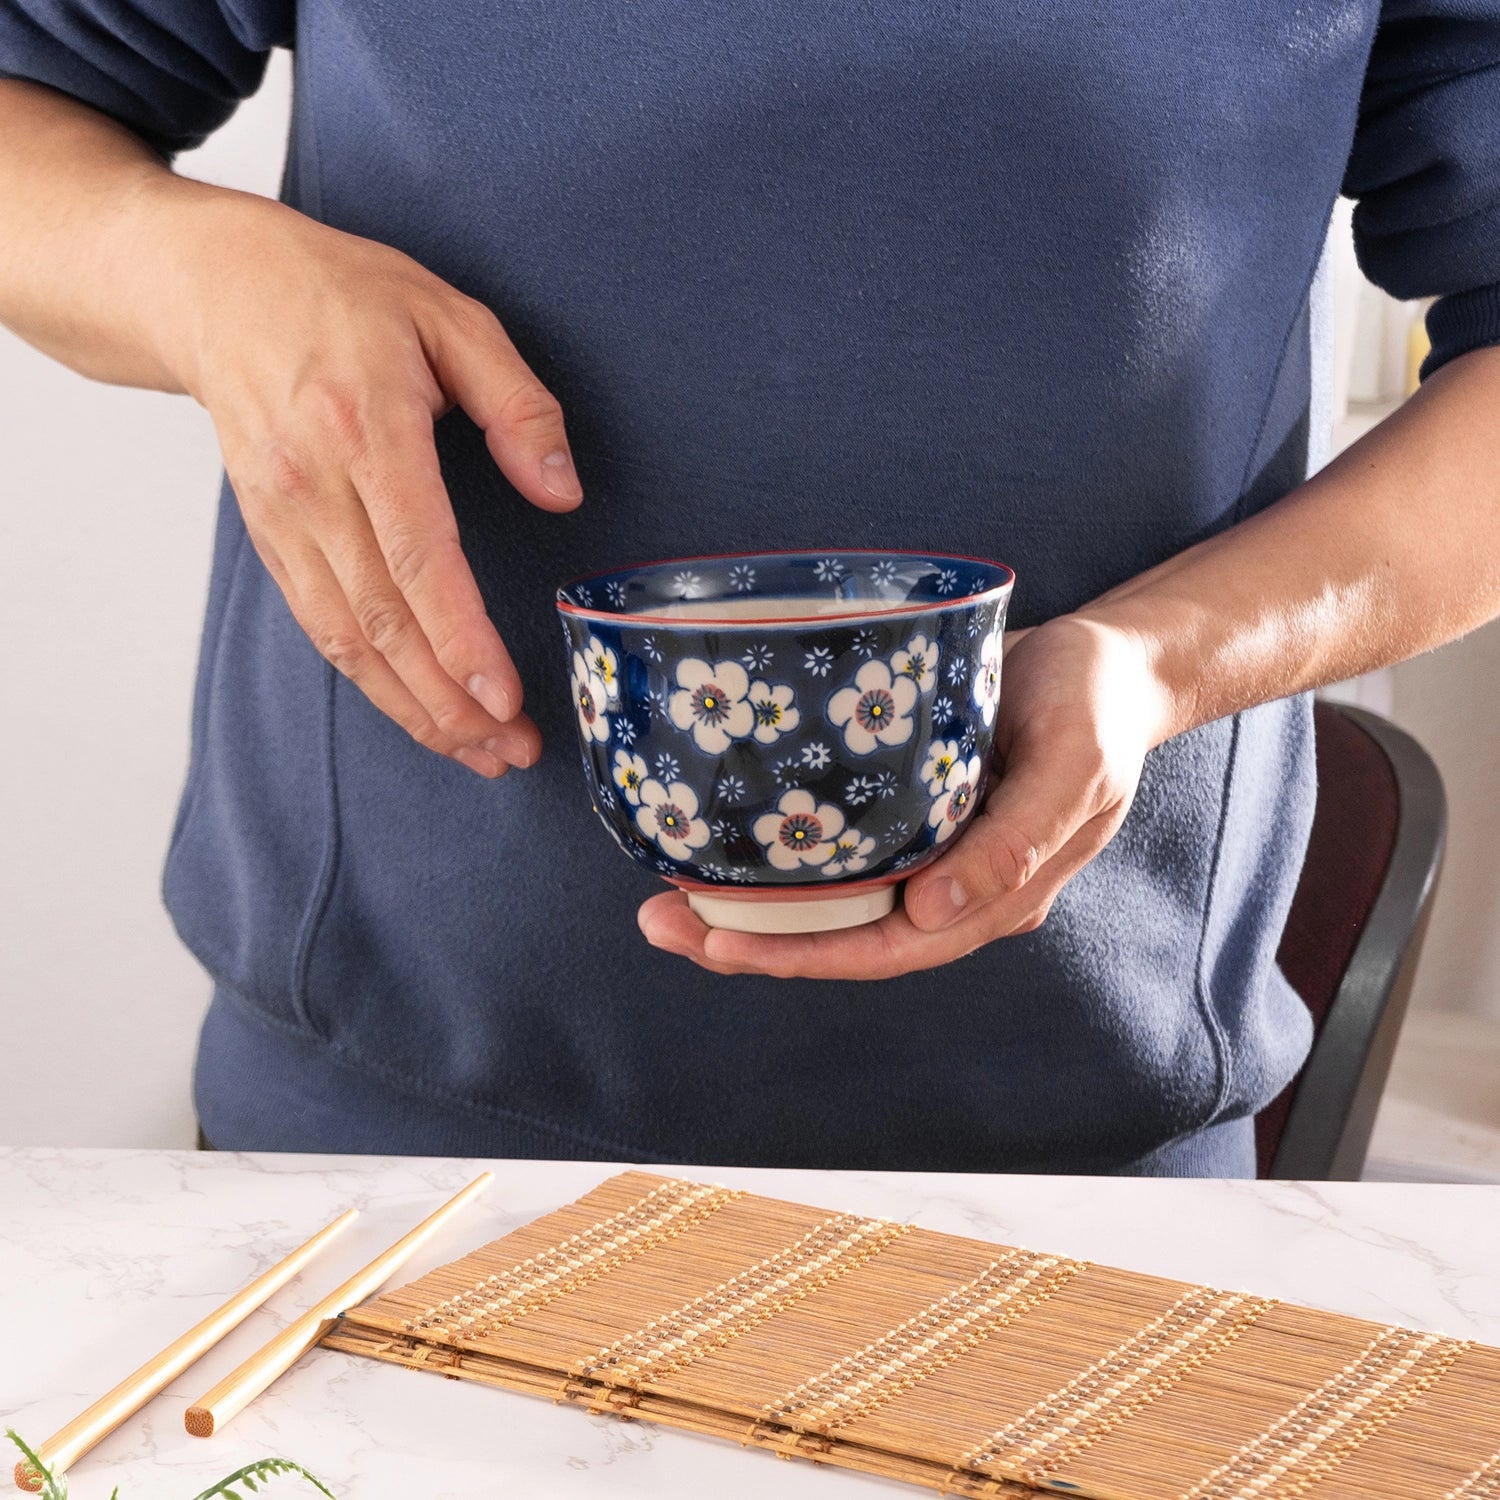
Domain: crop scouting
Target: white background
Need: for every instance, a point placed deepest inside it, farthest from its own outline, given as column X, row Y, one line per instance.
column 106, row 511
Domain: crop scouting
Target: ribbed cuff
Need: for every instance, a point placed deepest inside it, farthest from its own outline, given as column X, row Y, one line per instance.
column 1460, row 322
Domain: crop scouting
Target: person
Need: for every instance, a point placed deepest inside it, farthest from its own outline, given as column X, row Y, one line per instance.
column 1040, row 283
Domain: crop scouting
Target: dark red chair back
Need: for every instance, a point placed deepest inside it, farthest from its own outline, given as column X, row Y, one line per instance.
column 1352, row 934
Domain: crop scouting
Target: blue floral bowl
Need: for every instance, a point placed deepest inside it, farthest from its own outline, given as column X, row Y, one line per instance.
column 786, row 735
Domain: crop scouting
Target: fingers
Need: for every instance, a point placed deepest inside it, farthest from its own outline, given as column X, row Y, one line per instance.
column 1036, row 807
column 390, row 628
column 400, row 485
column 326, row 430
column 478, row 367
column 879, row 950
column 341, row 593
column 668, row 923
column 319, row 606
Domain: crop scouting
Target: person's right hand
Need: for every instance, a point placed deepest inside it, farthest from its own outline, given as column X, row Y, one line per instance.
column 324, row 360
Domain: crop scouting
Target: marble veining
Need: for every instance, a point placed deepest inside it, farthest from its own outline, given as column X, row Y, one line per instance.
column 107, row 1255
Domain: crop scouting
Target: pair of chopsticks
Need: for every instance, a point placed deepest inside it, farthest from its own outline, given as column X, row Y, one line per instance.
column 239, row 1388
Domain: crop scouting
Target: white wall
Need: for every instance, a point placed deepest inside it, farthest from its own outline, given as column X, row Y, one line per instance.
column 1450, row 700
column 106, row 504
column 106, row 512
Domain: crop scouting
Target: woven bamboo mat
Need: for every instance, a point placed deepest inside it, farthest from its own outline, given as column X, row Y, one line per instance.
column 965, row 1366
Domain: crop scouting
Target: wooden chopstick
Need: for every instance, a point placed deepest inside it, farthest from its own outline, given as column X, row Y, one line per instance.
column 239, row 1388
column 70, row 1443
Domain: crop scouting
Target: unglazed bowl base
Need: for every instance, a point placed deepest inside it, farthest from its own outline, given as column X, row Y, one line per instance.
column 828, row 915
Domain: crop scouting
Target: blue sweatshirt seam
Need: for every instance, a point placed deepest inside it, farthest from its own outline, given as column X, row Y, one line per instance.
column 1218, row 1038
column 1275, row 382
column 328, row 867
column 321, row 898
column 1213, row 1023
column 310, row 171
column 198, row 732
column 417, row 1087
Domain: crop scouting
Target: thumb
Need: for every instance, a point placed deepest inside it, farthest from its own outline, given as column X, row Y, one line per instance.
column 1034, row 810
column 479, row 368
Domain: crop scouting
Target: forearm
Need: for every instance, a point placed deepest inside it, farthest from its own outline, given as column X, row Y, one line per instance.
column 90, row 244
column 1391, row 550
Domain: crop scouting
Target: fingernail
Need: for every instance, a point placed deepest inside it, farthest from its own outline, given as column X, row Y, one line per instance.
column 940, row 905
column 519, row 756
column 560, row 478
column 477, row 761
column 492, row 697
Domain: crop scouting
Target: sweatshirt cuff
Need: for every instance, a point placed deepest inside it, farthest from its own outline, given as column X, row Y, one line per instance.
column 1462, row 321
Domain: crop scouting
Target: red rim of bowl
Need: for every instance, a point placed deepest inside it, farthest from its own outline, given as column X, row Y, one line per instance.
column 694, row 622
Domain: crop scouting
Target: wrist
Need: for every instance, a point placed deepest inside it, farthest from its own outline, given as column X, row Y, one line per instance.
column 184, row 234
column 1168, row 685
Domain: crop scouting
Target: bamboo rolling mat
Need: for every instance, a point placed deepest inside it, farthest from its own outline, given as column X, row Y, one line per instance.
column 968, row 1367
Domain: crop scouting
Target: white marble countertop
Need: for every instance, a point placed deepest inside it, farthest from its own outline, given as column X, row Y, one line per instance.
column 105, row 1256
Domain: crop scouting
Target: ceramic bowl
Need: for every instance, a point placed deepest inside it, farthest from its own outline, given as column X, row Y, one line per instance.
column 786, row 735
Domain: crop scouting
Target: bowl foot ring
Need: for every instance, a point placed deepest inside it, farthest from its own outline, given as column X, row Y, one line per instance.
column 735, row 914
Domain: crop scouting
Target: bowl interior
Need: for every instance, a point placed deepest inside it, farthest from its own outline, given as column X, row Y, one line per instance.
column 784, row 587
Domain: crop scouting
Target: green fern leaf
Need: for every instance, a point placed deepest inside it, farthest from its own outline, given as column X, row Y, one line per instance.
column 54, row 1486
column 260, row 1470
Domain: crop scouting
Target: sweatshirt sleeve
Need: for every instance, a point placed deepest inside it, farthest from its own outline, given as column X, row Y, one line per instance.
column 1425, row 167
column 171, row 70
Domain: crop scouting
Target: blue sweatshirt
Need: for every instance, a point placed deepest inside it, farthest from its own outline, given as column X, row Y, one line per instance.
column 1036, row 280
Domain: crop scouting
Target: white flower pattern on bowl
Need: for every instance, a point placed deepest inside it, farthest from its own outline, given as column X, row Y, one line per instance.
column 712, row 703
column 816, row 756
column 605, row 665
column 798, row 725
column 987, row 678
column 941, row 759
column 773, row 710
column 589, row 698
column 917, row 660
column 956, row 800
column 876, row 711
column 851, row 853
column 801, row 831
column 669, row 815
column 630, row 775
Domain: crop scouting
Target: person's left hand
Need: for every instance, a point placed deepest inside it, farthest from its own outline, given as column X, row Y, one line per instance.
column 1079, row 708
